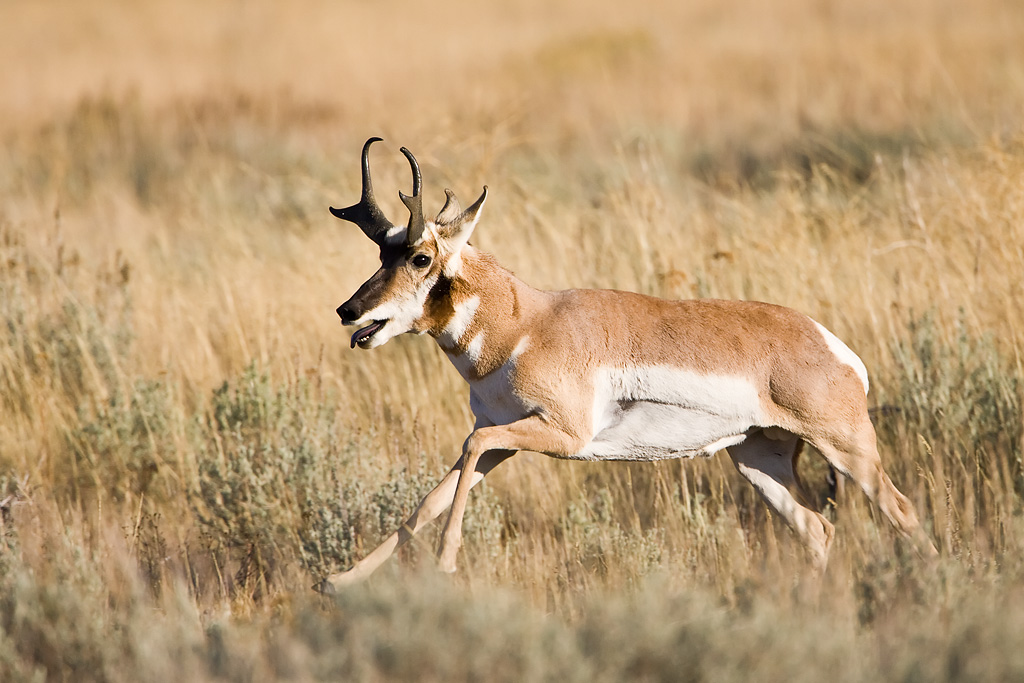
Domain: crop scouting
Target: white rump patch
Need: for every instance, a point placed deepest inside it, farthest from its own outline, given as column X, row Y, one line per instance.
column 845, row 355
column 665, row 412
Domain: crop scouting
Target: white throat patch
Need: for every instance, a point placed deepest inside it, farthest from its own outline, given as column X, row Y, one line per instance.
column 461, row 319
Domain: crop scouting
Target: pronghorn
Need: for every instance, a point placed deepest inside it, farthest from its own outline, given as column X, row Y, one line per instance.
column 607, row 375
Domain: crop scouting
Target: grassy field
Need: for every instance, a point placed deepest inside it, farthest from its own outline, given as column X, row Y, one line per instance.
column 187, row 443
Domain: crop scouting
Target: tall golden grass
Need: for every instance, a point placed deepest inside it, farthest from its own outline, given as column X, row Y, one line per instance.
column 187, row 443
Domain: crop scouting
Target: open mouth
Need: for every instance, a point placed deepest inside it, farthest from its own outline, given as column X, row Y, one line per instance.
column 364, row 334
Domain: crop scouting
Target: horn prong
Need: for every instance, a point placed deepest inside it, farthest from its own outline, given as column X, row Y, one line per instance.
column 366, row 214
column 415, row 202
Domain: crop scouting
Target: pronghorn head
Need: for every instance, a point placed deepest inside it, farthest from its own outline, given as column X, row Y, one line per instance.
column 414, row 259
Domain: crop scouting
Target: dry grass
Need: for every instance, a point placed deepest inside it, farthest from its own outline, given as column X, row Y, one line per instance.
column 187, row 443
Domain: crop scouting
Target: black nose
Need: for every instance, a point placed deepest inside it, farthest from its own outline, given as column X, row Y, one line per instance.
column 347, row 313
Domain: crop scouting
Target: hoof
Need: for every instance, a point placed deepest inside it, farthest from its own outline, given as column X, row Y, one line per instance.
column 324, row 587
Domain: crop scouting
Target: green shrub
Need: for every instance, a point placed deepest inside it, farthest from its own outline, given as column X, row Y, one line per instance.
column 282, row 480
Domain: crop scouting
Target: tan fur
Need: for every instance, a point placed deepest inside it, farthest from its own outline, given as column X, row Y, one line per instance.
column 799, row 378
column 532, row 357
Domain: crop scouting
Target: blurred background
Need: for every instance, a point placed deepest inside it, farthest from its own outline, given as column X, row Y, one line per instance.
column 187, row 443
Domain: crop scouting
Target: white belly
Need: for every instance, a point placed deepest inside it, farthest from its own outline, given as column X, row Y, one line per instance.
column 654, row 431
column 659, row 412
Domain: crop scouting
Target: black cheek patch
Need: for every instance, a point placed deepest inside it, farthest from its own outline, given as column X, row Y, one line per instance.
column 438, row 305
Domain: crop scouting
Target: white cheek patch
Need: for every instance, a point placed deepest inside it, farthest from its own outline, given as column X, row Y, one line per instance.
column 845, row 355
column 401, row 313
column 384, row 311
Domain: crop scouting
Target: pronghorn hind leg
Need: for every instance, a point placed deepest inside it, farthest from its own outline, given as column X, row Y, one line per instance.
column 855, row 454
column 434, row 503
column 768, row 463
column 835, row 481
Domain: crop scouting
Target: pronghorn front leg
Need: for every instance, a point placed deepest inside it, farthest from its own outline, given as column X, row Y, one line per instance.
column 533, row 433
column 433, row 504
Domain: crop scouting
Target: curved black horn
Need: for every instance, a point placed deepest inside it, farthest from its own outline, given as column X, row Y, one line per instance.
column 366, row 214
column 415, row 202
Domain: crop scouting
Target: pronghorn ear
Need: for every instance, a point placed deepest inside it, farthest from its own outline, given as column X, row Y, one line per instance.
column 450, row 211
column 457, row 230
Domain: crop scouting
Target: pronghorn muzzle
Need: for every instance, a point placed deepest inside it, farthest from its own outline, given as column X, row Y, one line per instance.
column 364, row 334
column 349, row 316
column 366, row 299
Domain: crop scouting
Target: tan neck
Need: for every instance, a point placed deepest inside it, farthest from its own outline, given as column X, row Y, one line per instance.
column 485, row 314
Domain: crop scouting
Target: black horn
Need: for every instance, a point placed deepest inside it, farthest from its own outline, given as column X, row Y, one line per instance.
column 366, row 214
column 415, row 202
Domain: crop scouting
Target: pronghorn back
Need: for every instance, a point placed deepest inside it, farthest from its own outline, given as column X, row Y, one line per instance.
column 649, row 378
column 605, row 375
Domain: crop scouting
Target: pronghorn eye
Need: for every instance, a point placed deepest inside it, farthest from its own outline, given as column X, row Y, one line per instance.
column 421, row 260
